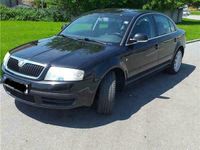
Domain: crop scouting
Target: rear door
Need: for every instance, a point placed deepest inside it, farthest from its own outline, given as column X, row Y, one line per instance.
column 142, row 56
column 166, row 38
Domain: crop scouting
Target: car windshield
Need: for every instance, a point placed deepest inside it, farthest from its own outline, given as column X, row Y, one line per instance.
column 107, row 28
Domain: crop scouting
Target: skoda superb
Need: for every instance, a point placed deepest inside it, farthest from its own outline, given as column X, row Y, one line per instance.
column 92, row 58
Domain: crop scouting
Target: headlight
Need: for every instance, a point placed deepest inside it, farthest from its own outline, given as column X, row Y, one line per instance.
column 64, row 74
column 6, row 58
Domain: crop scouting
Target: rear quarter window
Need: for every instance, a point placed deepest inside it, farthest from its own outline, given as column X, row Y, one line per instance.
column 172, row 26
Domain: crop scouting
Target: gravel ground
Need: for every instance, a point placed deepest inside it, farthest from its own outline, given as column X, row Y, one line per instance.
column 159, row 113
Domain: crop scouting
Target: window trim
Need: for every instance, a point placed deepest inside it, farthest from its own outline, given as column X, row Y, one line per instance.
column 153, row 15
column 126, row 33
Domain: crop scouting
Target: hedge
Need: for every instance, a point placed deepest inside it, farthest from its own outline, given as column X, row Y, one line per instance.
column 32, row 14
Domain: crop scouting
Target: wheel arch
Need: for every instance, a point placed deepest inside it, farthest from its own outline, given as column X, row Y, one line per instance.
column 121, row 76
column 120, row 80
column 118, row 68
column 181, row 47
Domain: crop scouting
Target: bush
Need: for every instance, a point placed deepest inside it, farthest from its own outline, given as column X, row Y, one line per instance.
column 32, row 14
column 163, row 5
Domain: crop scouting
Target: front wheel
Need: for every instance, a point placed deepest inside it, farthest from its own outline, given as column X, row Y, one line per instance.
column 106, row 94
column 176, row 63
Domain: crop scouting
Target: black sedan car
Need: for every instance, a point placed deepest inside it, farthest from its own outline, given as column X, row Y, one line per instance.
column 92, row 58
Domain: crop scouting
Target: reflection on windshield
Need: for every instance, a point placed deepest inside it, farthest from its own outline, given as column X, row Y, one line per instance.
column 99, row 27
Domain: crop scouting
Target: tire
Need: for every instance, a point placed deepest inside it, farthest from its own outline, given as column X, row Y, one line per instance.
column 176, row 63
column 106, row 94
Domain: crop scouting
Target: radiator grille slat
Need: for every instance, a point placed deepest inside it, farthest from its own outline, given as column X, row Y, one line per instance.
column 28, row 69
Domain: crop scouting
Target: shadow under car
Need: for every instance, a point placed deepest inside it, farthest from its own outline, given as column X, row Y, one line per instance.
column 128, row 102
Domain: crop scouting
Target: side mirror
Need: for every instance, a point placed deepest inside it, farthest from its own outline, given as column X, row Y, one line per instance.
column 139, row 37
column 64, row 26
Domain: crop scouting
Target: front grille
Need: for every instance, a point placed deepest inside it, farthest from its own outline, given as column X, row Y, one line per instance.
column 28, row 69
column 57, row 101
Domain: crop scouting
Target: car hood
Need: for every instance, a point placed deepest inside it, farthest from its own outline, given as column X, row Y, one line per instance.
column 61, row 51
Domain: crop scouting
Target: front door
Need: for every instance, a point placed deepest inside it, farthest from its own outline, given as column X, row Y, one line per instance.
column 142, row 56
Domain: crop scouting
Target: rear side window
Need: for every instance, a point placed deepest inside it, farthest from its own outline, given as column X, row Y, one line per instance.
column 163, row 25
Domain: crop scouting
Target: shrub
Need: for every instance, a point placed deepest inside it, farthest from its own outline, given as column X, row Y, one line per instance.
column 163, row 5
column 32, row 14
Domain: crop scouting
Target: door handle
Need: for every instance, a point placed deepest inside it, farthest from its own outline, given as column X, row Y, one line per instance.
column 175, row 39
column 156, row 46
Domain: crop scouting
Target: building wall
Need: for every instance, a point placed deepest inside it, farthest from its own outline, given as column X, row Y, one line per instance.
column 27, row 2
column 11, row 3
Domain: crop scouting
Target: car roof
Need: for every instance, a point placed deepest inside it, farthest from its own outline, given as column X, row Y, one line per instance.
column 132, row 12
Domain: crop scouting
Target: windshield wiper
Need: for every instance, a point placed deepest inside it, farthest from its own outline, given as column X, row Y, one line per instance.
column 85, row 39
column 92, row 40
column 68, row 36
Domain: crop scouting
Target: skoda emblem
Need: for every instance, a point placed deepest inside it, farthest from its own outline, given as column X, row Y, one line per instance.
column 21, row 63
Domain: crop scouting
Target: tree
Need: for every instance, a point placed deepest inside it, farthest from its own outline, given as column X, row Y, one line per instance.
column 163, row 4
column 195, row 3
column 168, row 4
column 76, row 7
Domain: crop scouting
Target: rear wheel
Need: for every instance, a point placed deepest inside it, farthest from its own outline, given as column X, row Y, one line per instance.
column 106, row 94
column 176, row 63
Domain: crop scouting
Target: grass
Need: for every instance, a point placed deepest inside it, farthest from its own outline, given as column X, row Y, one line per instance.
column 14, row 33
column 195, row 12
column 192, row 28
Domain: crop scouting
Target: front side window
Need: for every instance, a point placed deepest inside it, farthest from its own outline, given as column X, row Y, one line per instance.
column 101, row 27
column 163, row 26
column 145, row 26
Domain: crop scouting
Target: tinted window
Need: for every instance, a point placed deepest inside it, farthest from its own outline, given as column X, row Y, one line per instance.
column 144, row 25
column 172, row 26
column 100, row 27
column 163, row 25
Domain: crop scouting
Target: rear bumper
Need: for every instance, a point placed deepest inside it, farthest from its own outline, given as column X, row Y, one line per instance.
column 53, row 95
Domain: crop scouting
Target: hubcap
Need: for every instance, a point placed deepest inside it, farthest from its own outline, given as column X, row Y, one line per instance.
column 178, row 61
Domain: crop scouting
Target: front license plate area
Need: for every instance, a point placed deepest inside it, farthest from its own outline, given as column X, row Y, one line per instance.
column 23, row 88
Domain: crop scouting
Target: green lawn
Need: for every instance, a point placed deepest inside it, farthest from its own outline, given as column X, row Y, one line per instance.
column 192, row 28
column 195, row 12
column 14, row 33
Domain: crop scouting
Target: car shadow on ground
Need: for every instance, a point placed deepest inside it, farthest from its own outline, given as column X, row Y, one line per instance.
column 128, row 102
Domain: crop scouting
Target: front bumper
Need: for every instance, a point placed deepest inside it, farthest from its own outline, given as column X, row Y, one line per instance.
column 54, row 95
